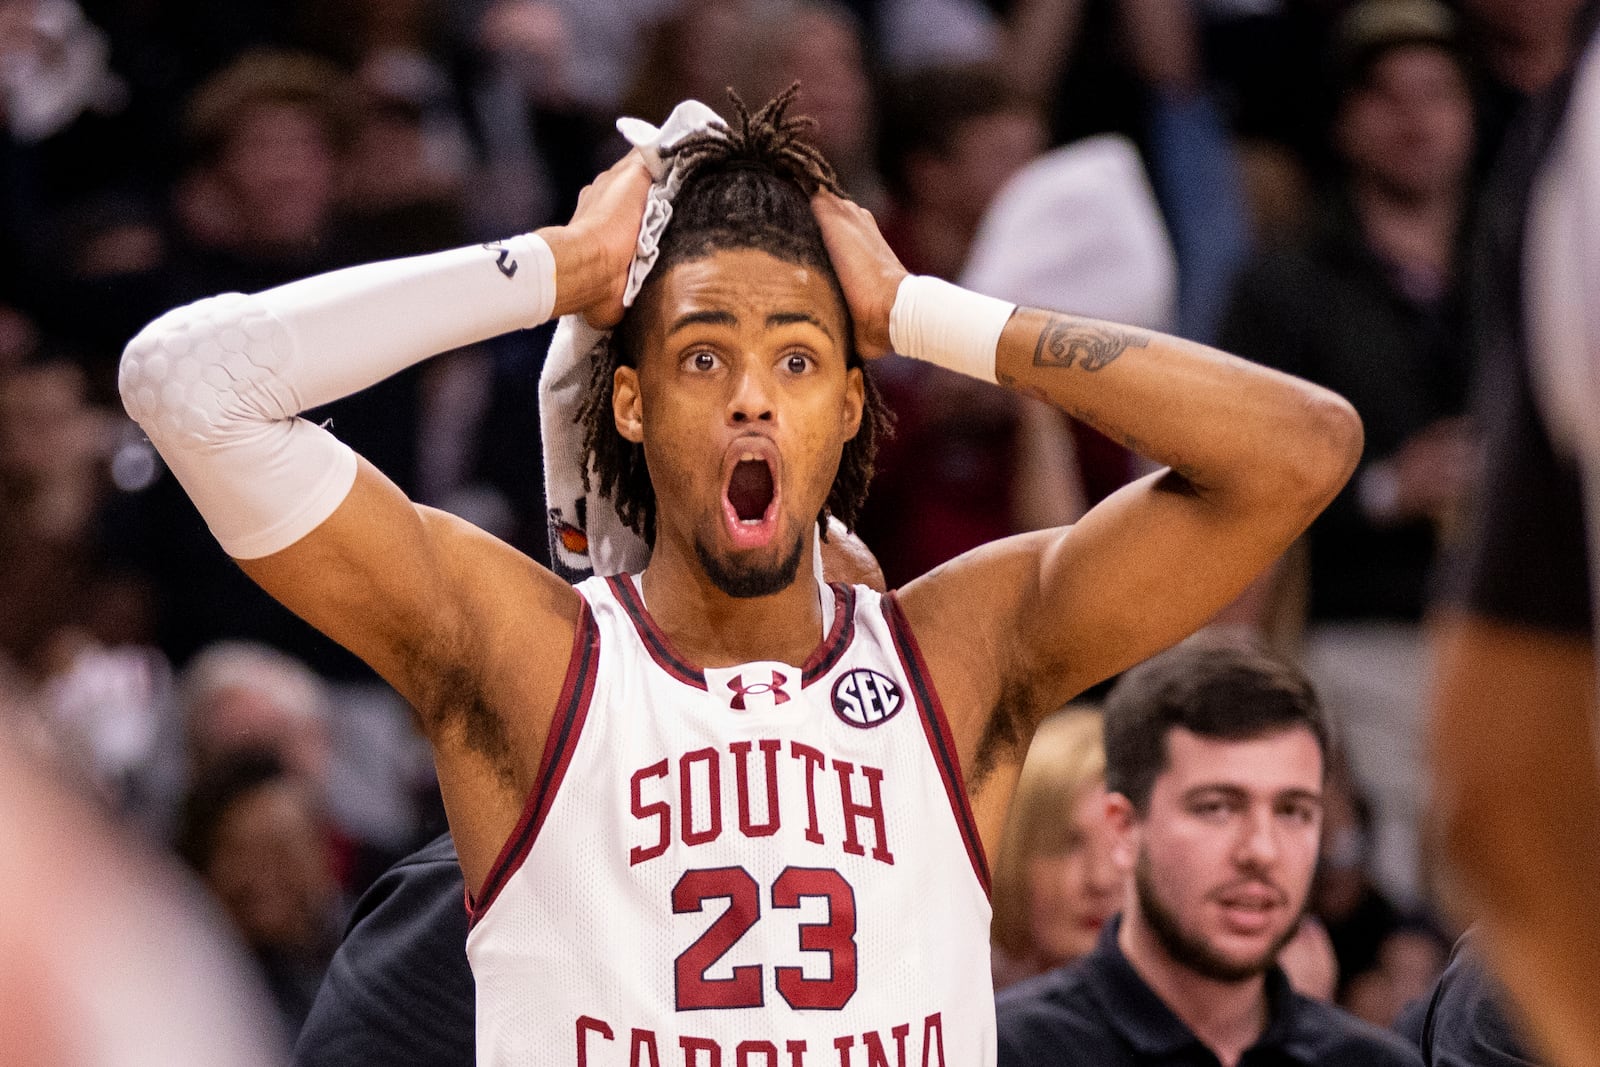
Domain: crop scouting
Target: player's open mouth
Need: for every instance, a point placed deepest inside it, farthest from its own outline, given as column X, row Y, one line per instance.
column 750, row 496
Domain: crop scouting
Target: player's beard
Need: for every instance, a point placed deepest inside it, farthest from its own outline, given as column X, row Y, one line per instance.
column 1188, row 949
column 747, row 580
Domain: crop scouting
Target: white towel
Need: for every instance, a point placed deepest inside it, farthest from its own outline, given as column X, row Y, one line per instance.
column 586, row 536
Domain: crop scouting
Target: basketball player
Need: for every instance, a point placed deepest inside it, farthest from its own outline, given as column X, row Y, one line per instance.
column 720, row 812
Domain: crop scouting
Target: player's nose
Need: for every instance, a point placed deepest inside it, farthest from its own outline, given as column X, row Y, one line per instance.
column 750, row 396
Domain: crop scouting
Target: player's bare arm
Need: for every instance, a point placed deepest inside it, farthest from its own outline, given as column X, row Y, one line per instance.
column 1016, row 628
column 475, row 635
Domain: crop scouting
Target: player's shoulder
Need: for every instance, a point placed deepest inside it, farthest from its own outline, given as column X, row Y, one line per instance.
column 1333, row 1035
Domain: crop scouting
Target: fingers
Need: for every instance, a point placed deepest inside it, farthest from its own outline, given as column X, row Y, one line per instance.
column 630, row 169
column 827, row 204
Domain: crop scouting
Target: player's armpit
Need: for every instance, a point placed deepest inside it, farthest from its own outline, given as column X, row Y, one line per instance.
column 475, row 635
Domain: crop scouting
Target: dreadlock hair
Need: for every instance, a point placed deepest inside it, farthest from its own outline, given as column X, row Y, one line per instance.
column 749, row 186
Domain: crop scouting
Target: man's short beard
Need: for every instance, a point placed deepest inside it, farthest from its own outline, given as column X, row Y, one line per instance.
column 1190, row 951
column 744, row 581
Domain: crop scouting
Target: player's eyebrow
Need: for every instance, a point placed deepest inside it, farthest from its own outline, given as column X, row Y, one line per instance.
column 788, row 318
column 709, row 317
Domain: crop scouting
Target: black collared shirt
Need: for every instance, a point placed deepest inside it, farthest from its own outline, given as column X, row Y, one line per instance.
column 1098, row 1012
column 399, row 989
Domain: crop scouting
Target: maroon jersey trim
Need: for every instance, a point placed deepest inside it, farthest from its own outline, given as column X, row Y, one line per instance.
column 937, row 729
column 839, row 636
column 572, row 709
column 822, row 659
column 655, row 642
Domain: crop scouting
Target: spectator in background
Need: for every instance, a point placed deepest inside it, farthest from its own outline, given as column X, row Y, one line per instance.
column 819, row 44
column 253, row 829
column 1356, row 912
column 53, row 447
column 1522, row 48
column 1367, row 305
column 237, row 697
column 951, row 137
column 63, row 132
column 693, row 52
column 1215, row 756
column 1409, row 962
column 1054, row 883
column 1308, row 961
column 268, row 135
column 1134, row 67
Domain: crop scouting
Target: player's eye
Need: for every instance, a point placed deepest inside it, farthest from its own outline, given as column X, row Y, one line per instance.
column 797, row 363
column 701, row 360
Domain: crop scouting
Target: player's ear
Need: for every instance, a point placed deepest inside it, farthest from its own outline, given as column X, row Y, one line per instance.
column 855, row 399
column 626, row 407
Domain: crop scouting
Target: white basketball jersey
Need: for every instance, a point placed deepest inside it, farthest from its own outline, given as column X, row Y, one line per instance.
column 757, row 866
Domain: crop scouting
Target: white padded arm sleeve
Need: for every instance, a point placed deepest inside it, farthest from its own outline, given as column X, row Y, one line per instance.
column 218, row 384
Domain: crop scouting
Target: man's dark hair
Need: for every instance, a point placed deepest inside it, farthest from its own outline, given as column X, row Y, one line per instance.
column 749, row 186
column 1224, row 689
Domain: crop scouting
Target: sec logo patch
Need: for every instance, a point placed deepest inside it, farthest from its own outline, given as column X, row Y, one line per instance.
column 866, row 698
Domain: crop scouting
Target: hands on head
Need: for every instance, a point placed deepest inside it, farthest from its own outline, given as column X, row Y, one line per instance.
column 594, row 249
column 869, row 272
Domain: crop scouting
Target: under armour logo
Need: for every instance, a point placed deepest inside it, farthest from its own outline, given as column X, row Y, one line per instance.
column 507, row 265
column 740, row 690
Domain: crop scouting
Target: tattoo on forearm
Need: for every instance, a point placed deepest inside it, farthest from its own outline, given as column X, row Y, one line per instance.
column 1068, row 342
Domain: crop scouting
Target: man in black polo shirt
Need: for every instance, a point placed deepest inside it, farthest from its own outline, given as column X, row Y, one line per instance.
column 1214, row 762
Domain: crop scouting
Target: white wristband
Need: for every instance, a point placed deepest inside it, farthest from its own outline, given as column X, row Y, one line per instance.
column 941, row 323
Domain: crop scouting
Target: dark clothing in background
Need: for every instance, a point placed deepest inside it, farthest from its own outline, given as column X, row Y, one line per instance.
column 1358, row 935
column 1524, row 559
column 399, row 989
column 1464, row 1023
column 1330, row 310
column 1098, row 1012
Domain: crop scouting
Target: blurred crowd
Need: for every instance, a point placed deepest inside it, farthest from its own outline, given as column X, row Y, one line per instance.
column 1292, row 180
